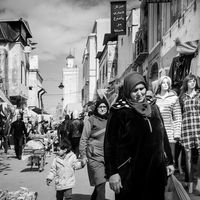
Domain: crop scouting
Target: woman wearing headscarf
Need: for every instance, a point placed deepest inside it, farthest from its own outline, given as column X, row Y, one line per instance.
column 136, row 148
column 91, row 148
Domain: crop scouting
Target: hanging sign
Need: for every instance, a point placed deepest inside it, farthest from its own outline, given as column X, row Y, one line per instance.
column 118, row 17
column 158, row 1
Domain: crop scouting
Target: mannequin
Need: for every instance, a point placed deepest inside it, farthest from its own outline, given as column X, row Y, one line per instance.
column 190, row 135
column 168, row 103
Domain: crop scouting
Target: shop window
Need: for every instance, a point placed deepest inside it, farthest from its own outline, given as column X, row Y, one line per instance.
column 106, row 69
column 154, row 72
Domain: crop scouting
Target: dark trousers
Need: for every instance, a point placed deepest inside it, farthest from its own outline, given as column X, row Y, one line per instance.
column 178, row 149
column 64, row 194
column 75, row 145
column 5, row 143
column 18, row 142
column 99, row 192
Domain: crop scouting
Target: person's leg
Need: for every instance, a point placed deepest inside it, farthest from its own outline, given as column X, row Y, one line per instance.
column 189, row 166
column 16, row 146
column 94, row 194
column 20, row 144
column 68, row 194
column 1, row 138
column 179, row 163
column 172, row 145
column 41, row 163
column 198, row 172
column 59, row 194
column 177, row 153
column 100, row 191
column 5, row 143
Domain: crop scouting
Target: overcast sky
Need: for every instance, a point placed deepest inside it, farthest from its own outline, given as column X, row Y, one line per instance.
column 58, row 26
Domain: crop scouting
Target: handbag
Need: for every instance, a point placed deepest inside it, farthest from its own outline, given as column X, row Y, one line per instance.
column 174, row 190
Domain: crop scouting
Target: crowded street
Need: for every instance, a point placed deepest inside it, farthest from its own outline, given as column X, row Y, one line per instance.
column 16, row 173
column 99, row 100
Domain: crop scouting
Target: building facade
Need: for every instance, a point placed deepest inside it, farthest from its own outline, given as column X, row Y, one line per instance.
column 14, row 61
column 90, row 63
column 71, row 95
column 36, row 90
column 167, row 25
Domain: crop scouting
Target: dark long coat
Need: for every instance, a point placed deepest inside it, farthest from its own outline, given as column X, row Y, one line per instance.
column 134, row 147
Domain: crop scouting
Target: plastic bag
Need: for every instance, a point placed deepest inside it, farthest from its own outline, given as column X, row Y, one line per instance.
column 183, row 195
column 170, row 193
column 174, row 190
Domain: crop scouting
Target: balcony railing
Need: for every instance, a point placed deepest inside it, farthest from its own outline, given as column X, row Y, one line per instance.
column 141, row 41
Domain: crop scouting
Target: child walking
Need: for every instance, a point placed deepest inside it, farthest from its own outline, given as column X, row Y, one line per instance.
column 63, row 169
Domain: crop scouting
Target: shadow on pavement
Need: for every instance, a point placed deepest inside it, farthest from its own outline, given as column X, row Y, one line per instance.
column 29, row 169
column 82, row 197
column 12, row 157
column 4, row 167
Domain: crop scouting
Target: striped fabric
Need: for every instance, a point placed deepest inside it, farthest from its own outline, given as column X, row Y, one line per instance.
column 190, row 135
column 187, row 47
column 171, row 112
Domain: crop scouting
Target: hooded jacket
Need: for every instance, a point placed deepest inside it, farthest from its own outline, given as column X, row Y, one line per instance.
column 63, row 171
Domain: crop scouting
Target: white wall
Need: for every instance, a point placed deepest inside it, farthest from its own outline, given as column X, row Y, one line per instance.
column 189, row 29
column 126, row 43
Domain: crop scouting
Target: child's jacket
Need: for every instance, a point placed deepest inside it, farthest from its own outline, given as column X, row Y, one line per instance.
column 63, row 169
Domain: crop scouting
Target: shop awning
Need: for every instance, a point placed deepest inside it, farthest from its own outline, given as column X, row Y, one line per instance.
column 186, row 47
column 11, row 30
column 3, row 98
column 39, row 111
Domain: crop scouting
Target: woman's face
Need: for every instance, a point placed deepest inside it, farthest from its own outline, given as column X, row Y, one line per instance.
column 138, row 93
column 165, row 85
column 102, row 109
column 191, row 84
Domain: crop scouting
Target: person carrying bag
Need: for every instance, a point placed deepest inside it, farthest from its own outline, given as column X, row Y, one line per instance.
column 174, row 190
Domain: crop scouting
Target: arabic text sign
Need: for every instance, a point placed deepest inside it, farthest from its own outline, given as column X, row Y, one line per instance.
column 118, row 18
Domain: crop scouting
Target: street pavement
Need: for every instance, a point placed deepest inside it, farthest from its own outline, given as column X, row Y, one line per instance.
column 16, row 173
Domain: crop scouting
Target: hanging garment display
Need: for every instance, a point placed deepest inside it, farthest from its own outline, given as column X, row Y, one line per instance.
column 180, row 66
column 179, row 69
column 195, row 65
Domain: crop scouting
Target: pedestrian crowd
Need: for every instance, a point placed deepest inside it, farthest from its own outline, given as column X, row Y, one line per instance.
column 135, row 143
column 18, row 133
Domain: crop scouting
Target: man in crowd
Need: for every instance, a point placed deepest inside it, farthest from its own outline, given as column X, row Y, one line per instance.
column 4, row 130
column 63, row 129
column 19, row 131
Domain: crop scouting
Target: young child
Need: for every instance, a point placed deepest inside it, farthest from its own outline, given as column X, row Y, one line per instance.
column 63, row 169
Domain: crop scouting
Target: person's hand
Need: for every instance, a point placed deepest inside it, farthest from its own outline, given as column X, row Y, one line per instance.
column 48, row 181
column 115, row 183
column 170, row 170
column 84, row 161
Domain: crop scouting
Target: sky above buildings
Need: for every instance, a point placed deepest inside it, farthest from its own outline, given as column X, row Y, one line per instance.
column 58, row 27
